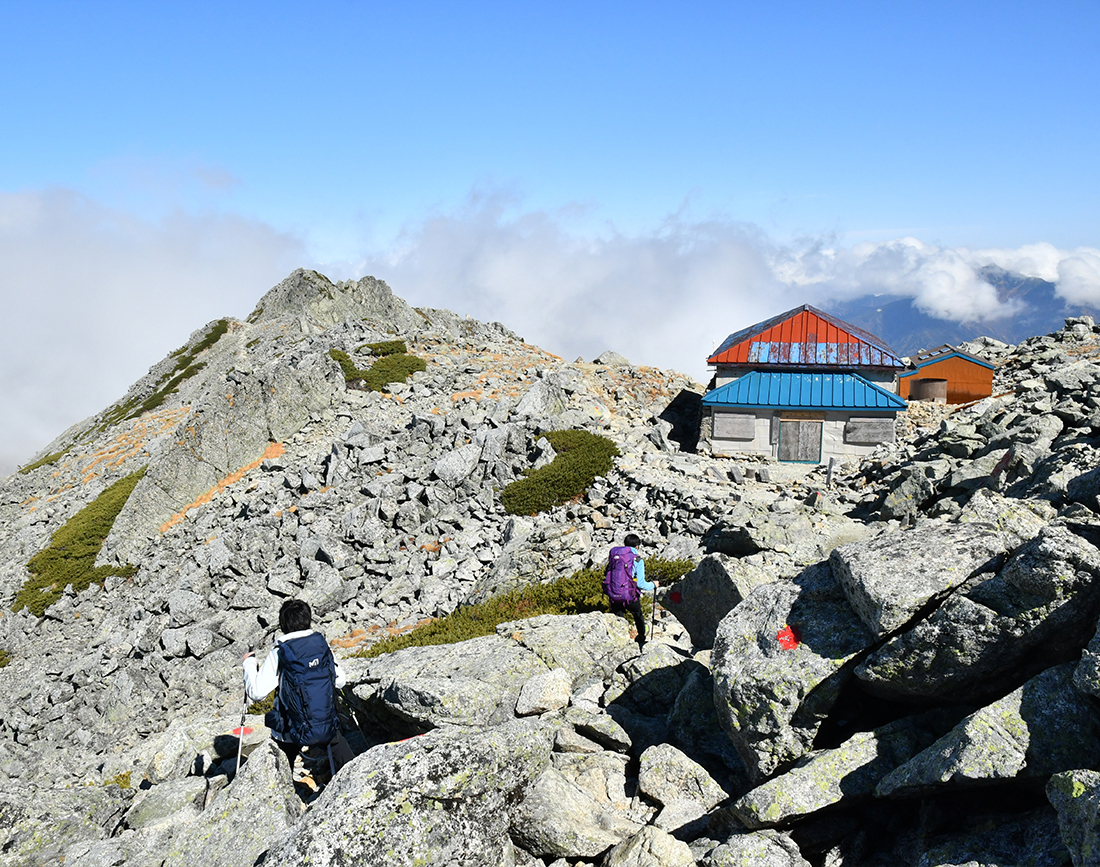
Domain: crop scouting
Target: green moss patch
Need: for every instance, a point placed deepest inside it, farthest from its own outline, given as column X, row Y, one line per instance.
column 121, row 780
column 70, row 557
column 576, row 594
column 582, row 456
column 48, row 459
column 5, row 658
column 393, row 367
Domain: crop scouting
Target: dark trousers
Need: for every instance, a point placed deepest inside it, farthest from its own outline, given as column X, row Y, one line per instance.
column 634, row 608
column 341, row 752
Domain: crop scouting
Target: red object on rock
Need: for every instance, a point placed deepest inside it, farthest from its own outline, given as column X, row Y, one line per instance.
column 788, row 637
column 241, row 730
column 675, row 597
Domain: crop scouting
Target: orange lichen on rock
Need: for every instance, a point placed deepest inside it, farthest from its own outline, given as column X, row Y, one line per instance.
column 273, row 450
column 129, row 442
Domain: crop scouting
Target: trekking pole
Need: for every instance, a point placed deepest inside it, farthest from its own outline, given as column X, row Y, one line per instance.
column 653, row 614
column 241, row 732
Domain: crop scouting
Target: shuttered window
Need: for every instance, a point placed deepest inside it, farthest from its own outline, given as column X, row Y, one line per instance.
column 734, row 426
column 869, row 431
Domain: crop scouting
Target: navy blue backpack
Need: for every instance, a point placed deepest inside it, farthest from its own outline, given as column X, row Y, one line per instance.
column 305, row 708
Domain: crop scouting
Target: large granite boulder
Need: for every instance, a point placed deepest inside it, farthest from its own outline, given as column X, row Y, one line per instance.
column 444, row 797
column 824, row 777
column 890, row 578
column 1044, row 727
column 759, row 849
column 585, row 645
column 694, row 727
column 246, row 818
column 773, row 686
column 666, row 775
column 39, row 829
column 650, row 847
column 1010, row 841
column 709, row 592
column 1076, row 796
column 475, row 682
column 997, row 630
column 558, row 819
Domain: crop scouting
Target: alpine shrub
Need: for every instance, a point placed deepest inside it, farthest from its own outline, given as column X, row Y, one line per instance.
column 385, row 347
column 391, row 367
column 578, row 593
column 581, row 457
column 5, row 657
column 41, row 462
column 70, row 557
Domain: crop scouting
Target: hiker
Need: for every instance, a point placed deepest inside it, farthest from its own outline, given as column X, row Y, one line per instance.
column 307, row 674
column 625, row 580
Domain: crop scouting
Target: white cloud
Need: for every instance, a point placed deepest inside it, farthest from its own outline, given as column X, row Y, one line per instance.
column 92, row 297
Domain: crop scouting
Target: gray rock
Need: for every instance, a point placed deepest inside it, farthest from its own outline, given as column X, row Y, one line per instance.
column 455, row 466
column 611, row 359
column 251, row 814
column 474, row 682
column 758, row 849
column 649, row 683
column 545, row 692
column 1030, row 839
column 445, row 797
column 650, row 847
column 1085, row 489
column 585, row 645
column 1075, row 795
column 825, row 777
column 709, row 592
column 174, row 800
column 771, row 700
column 693, row 726
column 599, row 727
column 1042, row 728
column 40, row 829
column 667, row 775
column 888, row 579
column 557, row 819
column 985, row 638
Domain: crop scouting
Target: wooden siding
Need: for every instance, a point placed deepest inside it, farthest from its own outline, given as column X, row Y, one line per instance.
column 966, row 381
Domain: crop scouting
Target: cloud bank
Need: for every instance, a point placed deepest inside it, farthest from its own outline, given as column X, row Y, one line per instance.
column 93, row 296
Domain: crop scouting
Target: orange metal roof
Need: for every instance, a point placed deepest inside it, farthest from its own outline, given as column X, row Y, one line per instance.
column 805, row 337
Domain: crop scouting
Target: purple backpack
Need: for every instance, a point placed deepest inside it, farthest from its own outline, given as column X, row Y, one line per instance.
column 618, row 582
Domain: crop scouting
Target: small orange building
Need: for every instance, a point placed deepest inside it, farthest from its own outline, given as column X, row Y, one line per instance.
column 947, row 374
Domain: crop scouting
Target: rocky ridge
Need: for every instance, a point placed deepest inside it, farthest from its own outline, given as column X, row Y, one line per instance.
column 888, row 670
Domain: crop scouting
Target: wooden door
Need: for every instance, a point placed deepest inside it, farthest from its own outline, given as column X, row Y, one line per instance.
column 800, row 441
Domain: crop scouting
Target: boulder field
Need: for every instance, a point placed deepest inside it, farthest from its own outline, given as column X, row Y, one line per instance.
column 901, row 667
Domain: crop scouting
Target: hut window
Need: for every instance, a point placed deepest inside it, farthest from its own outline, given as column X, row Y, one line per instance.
column 869, row 431
column 734, row 426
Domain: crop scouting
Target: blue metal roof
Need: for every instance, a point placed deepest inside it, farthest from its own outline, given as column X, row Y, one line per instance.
column 790, row 390
column 952, row 353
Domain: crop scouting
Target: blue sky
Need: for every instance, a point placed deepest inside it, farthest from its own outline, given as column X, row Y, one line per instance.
column 164, row 164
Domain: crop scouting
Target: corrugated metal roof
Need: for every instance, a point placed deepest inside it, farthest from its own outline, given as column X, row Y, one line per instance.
column 804, row 337
column 791, row 390
column 942, row 353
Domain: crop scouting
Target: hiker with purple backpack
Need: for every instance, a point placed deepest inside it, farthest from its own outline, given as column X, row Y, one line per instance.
column 625, row 580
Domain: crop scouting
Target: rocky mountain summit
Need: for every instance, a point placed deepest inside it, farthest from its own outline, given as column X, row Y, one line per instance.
column 895, row 662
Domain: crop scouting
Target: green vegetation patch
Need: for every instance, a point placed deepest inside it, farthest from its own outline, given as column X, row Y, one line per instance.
column 70, row 557
column 394, row 367
column 48, row 459
column 121, row 780
column 384, row 347
column 259, row 708
column 5, row 657
column 581, row 457
column 578, row 593
column 183, row 370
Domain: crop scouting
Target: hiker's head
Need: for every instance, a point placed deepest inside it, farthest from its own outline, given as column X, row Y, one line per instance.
column 295, row 616
column 631, row 540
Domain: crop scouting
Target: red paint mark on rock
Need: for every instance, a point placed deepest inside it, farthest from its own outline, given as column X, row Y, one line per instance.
column 241, row 730
column 788, row 637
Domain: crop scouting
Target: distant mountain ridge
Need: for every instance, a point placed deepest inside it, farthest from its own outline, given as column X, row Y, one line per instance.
column 898, row 321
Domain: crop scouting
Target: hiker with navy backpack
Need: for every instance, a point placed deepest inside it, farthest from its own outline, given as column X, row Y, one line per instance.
column 625, row 580
column 303, row 667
